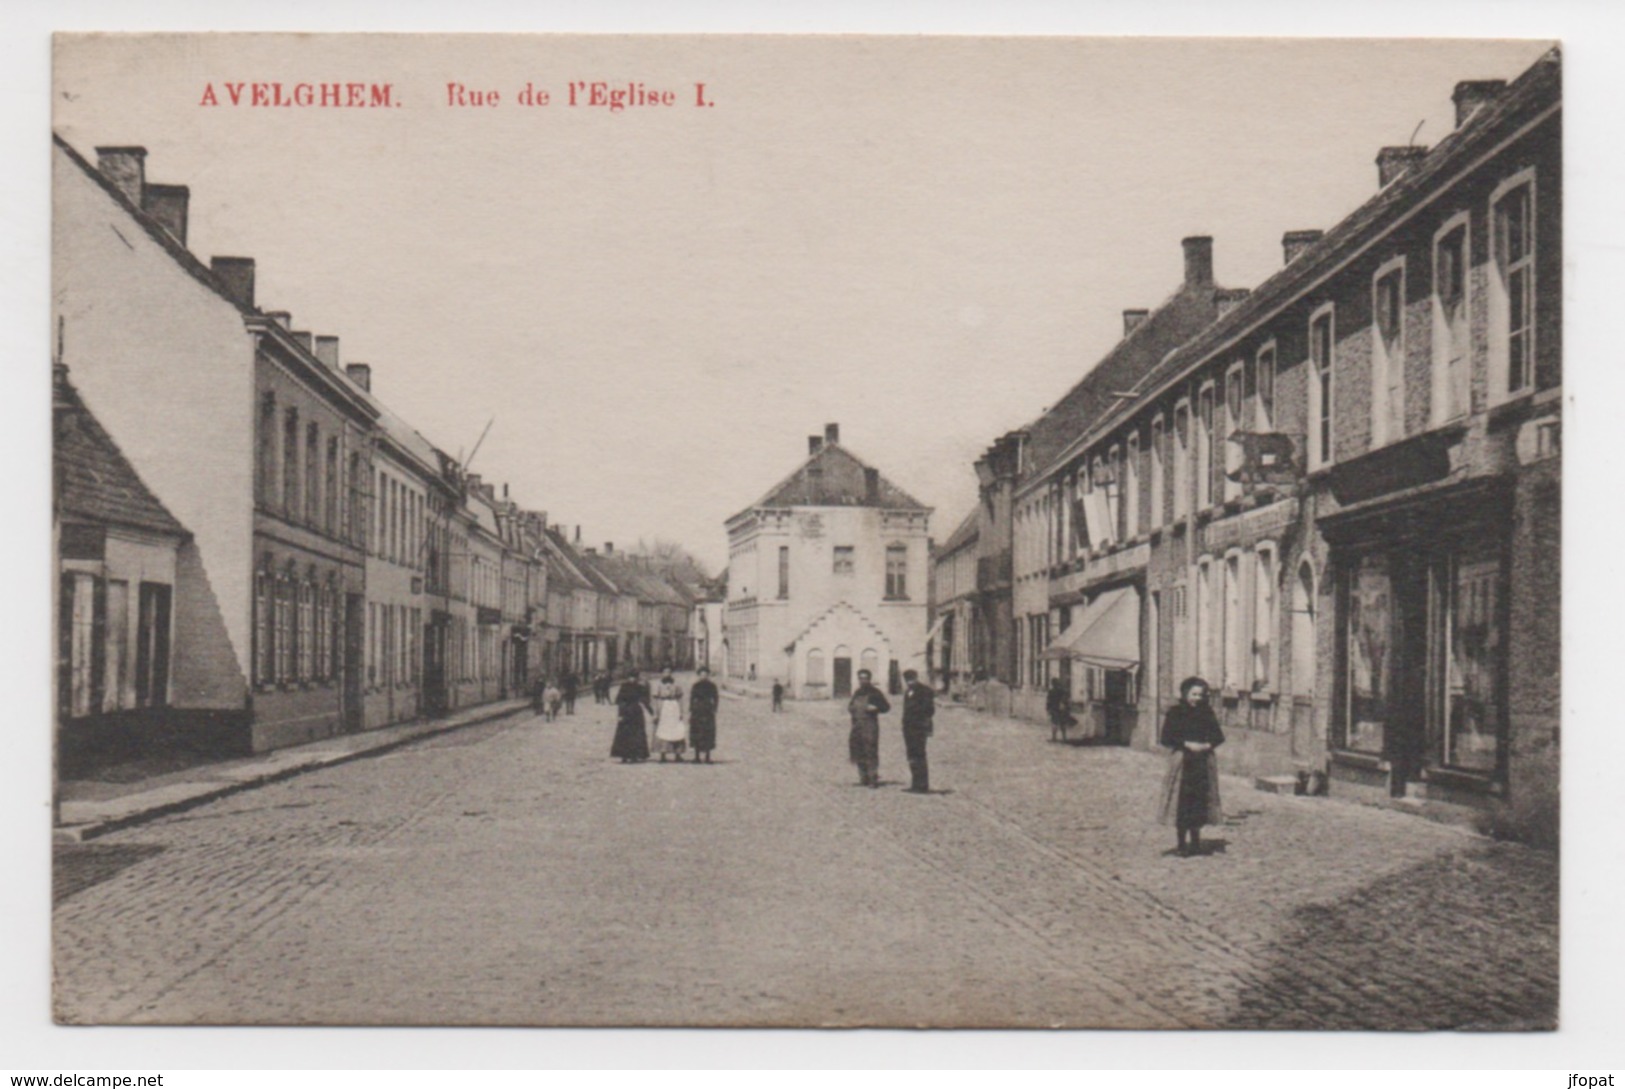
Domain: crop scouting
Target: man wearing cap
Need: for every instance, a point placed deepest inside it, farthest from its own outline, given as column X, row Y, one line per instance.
column 919, row 709
column 868, row 703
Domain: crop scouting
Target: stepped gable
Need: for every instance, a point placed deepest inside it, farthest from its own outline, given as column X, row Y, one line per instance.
column 834, row 477
column 830, row 613
column 94, row 479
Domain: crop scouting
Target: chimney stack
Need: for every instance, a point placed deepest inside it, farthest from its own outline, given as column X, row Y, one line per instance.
column 1198, row 260
column 236, row 275
column 1394, row 162
column 1295, row 242
column 1470, row 95
column 360, row 374
column 578, row 534
column 1132, row 320
column 126, row 168
column 306, row 340
column 167, row 204
column 327, row 350
column 832, row 434
column 871, row 485
column 609, row 548
column 815, row 443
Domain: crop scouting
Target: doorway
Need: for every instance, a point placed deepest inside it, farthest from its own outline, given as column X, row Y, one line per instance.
column 843, row 677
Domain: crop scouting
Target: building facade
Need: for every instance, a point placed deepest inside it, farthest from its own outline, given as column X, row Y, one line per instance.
column 826, row 577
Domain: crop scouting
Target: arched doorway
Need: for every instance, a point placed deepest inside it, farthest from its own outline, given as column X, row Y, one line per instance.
column 841, row 668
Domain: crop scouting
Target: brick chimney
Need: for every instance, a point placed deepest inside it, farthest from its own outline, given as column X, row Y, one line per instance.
column 236, row 275
column 871, row 485
column 1132, row 320
column 1198, row 260
column 815, row 443
column 126, row 168
column 1295, row 242
column 168, row 204
column 609, row 548
column 832, row 434
column 327, row 350
column 1394, row 162
column 1469, row 96
column 305, row 339
column 360, row 374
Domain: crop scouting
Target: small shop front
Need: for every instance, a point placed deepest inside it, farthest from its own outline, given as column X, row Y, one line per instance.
column 1100, row 652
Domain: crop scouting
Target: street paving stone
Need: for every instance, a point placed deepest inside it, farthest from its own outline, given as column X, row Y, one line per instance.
column 510, row 873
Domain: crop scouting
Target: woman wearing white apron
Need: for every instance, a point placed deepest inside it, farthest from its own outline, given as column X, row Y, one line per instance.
column 671, row 731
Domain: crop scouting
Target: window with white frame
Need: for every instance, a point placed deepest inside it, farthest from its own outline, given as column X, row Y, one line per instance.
column 1264, row 404
column 1388, row 353
column 1180, row 460
column 1206, row 644
column 1450, row 332
column 1512, row 315
column 1116, row 499
column 1158, row 457
column 1264, row 618
column 1322, row 341
column 1131, row 488
column 1235, row 627
column 1228, row 456
column 1204, row 447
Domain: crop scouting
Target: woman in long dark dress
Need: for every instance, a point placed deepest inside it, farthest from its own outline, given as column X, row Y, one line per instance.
column 702, row 716
column 1190, row 793
column 631, row 734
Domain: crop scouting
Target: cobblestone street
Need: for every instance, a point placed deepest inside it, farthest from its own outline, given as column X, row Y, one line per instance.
column 511, row 873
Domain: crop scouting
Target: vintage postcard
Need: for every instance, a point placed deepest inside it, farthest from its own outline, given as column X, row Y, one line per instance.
column 798, row 531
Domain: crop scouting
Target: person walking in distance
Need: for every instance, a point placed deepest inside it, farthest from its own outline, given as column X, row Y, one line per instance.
column 1058, row 703
column 554, row 697
column 631, row 744
column 703, row 699
column 567, row 685
column 778, row 695
column 919, row 710
column 868, row 703
column 1190, row 792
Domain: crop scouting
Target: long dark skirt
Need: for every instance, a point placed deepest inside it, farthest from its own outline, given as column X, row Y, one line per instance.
column 1190, row 790
column 702, row 729
column 863, row 743
column 631, row 738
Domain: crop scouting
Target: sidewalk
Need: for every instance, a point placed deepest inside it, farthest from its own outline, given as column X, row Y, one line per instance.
column 91, row 808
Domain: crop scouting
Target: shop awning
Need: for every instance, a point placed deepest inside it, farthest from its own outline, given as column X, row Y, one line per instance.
column 1107, row 635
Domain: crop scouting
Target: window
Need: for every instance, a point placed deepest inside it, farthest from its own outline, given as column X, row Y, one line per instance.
column 843, row 560
column 1231, row 423
column 1158, row 463
column 267, row 449
column 1181, row 460
column 1264, row 619
column 1388, row 354
column 1450, row 336
column 1303, row 633
column 1206, row 622
column 1264, row 406
column 330, row 492
column 152, row 646
column 1235, row 628
column 77, row 630
column 282, row 625
column 1472, row 655
column 307, row 630
column 1513, row 328
column 1370, row 666
column 1204, row 448
column 313, row 467
column 358, row 501
column 1321, row 341
column 290, row 465
column 1131, row 489
column 897, row 572
column 784, row 572
column 1116, row 497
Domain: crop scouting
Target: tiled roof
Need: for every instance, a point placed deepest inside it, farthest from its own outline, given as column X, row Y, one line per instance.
column 834, row 477
column 962, row 535
column 94, row 479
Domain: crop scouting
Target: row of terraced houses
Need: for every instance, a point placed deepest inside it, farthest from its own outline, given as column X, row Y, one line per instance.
column 1336, row 496
column 253, row 550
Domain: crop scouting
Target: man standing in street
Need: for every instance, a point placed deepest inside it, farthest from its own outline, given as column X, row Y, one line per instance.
column 868, row 703
column 919, row 709
column 778, row 695
column 568, row 685
column 703, row 699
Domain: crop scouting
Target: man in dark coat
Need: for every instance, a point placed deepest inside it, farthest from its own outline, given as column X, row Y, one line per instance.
column 1058, row 702
column 703, row 699
column 919, row 709
column 868, row 703
column 778, row 695
column 567, row 685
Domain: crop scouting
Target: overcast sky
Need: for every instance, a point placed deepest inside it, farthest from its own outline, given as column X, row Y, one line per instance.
column 925, row 240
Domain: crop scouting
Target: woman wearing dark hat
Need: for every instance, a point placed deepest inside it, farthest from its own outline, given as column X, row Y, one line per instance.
column 631, row 742
column 1190, row 793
